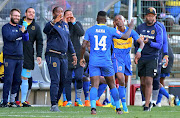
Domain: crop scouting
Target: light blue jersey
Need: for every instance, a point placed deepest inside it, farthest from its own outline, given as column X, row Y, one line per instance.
column 100, row 37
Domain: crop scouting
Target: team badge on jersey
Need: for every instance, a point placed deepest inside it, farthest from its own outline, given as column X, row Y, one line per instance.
column 153, row 31
column 33, row 27
column 54, row 64
column 6, row 64
column 120, row 68
column 28, row 70
column 118, row 32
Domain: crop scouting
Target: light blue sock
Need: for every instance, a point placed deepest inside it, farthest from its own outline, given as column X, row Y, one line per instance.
column 163, row 91
column 124, row 105
column 159, row 98
column 122, row 94
column 93, row 96
column 24, row 90
column 64, row 95
column 112, row 101
column 115, row 95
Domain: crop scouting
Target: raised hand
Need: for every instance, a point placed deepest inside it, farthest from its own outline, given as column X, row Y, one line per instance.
column 131, row 24
column 58, row 18
column 72, row 19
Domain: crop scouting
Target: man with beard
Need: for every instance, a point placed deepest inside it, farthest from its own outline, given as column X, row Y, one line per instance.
column 148, row 63
column 13, row 34
column 35, row 35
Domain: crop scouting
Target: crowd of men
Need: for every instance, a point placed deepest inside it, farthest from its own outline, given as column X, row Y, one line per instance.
column 109, row 58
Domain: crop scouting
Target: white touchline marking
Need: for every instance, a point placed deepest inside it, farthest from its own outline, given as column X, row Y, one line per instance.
column 32, row 116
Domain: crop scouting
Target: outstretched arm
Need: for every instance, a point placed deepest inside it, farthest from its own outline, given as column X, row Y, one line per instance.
column 127, row 34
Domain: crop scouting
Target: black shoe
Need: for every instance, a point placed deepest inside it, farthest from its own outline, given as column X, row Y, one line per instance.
column 150, row 105
column 13, row 104
column 25, row 104
column 4, row 105
column 147, row 109
column 93, row 111
column 118, row 111
column 153, row 104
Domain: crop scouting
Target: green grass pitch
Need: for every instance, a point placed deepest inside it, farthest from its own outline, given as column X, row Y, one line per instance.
column 84, row 112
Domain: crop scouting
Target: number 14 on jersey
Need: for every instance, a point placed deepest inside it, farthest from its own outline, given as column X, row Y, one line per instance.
column 102, row 43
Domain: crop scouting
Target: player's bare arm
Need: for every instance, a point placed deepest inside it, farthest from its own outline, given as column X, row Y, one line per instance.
column 138, row 53
column 127, row 34
column 83, row 49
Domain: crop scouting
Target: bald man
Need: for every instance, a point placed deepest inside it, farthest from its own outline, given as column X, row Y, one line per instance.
column 121, row 56
column 58, row 43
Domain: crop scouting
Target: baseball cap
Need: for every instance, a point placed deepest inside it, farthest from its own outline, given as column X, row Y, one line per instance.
column 150, row 11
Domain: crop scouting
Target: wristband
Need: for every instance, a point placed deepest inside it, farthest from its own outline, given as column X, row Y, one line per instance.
column 139, row 50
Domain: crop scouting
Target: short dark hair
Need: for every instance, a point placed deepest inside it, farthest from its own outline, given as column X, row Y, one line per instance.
column 14, row 9
column 29, row 8
column 55, row 9
column 102, row 13
column 66, row 11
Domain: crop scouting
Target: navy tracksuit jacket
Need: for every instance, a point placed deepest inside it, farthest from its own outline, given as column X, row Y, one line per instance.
column 58, row 43
column 13, row 58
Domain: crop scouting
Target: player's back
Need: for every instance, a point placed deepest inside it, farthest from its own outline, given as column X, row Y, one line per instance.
column 100, row 37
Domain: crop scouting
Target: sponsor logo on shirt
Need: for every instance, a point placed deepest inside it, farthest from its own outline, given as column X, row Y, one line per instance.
column 147, row 36
column 14, row 30
column 123, row 44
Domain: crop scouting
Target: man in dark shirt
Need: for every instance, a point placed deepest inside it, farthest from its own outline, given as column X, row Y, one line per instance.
column 35, row 35
column 76, row 31
column 58, row 43
column 147, row 64
column 13, row 34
